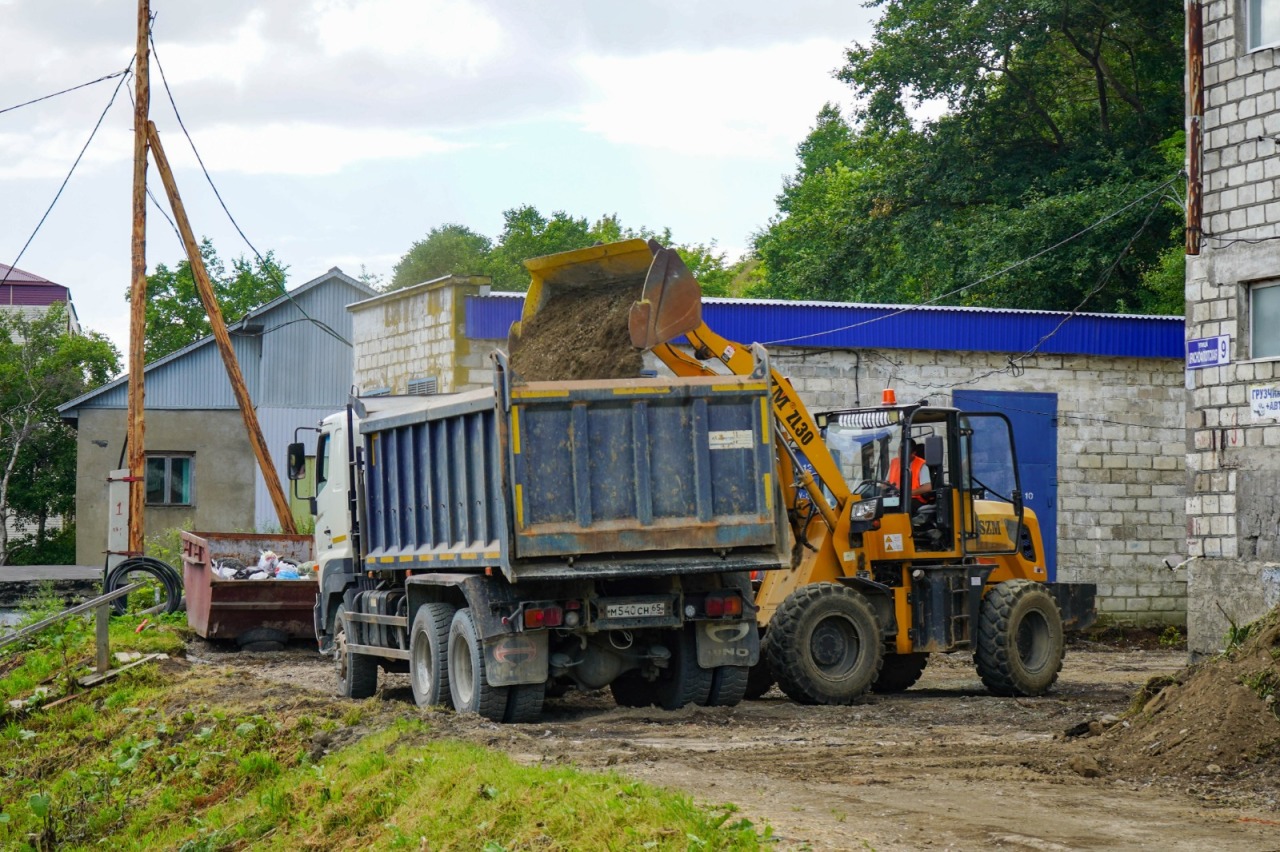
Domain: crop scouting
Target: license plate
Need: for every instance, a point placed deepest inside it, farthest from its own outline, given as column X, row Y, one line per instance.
column 635, row 610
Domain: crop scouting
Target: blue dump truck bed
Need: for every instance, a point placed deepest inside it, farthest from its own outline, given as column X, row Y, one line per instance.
column 551, row 480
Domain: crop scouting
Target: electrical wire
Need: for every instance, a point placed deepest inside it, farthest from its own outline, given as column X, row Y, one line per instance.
column 72, row 171
column 65, row 91
column 274, row 274
column 1011, row 267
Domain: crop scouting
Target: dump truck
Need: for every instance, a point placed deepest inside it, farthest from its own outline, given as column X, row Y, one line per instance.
column 882, row 575
column 506, row 544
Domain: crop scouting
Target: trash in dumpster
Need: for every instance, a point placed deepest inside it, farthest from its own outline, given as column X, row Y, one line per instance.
column 270, row 566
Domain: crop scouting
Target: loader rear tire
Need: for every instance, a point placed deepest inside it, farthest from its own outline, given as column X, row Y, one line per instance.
column 357, row 673
column 429, row 655
column 825, row 645
column 899, row 672
column 684, row 681
column 1020, row 639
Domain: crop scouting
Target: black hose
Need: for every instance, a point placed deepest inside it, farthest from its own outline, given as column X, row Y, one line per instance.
column 117, row 578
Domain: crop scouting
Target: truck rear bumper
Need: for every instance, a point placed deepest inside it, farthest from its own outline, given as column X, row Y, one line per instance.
column 649, row 565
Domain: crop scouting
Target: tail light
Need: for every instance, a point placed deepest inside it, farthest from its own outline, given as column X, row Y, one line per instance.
column 724, row 604
column 543, row 616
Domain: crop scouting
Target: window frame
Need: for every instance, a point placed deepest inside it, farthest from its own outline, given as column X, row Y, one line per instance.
column 167, row 487
column 1248, row 6
column 1252, row 290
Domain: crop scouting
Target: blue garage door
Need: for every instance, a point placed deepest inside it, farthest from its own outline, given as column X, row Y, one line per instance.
column 1035, row 434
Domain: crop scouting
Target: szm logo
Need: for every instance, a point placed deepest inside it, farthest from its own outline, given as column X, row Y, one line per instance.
column 989, row 527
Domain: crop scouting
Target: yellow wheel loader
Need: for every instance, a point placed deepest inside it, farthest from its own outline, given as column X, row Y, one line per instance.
column 910, row 532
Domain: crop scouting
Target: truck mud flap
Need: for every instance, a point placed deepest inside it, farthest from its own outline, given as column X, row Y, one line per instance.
column 516, row 658
column 727, row 643
column 1078, row 602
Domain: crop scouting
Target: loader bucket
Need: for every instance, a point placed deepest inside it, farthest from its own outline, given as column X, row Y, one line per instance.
column 669, row 305
column 668, row 300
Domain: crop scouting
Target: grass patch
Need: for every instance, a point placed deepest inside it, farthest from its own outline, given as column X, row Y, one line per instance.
column 181, row 757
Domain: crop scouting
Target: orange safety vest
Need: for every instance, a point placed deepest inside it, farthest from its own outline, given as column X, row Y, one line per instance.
column 895, row 476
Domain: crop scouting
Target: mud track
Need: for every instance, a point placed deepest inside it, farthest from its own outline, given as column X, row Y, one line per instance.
column 942, row 766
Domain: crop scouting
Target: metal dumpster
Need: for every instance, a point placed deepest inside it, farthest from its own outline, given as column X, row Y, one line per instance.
column 230, row 609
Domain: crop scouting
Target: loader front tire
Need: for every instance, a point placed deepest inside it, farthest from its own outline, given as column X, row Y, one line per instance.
column 824, row 644
column 429, row 655
column 357, row 673
column 899, row 672
column 1020, row 639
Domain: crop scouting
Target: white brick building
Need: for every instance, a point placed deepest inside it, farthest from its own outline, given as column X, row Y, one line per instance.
column 1098, row 413
column 1233, row 315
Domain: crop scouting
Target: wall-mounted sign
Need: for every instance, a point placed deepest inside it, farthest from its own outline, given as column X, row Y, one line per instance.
column 1264, row 402
column 1209, row 352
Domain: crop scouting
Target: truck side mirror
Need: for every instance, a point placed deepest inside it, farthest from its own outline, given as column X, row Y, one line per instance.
column 297, row 464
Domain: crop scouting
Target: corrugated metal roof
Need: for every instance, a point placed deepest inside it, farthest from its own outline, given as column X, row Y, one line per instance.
column 14, row 275
column 839, row 325
column 306, row 370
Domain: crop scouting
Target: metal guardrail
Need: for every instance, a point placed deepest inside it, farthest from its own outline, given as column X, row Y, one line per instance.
column 103, row 612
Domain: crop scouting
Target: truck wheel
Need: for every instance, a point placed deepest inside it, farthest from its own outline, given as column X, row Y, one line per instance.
column 468, row 685
column 1020, row 644
column 728, row 686
column 631, row 690
column 825, row 645
column 357, row 673
column 759, row 679
column 900, row 672
column 684, row 681
column 429, row 655
column 524, row 702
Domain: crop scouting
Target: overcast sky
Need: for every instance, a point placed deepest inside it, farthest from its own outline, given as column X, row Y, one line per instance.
column 341, row 131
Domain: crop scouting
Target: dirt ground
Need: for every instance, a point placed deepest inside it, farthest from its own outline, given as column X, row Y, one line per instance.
column 941, row 766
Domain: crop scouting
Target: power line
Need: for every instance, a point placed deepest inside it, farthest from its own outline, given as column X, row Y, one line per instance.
column 270, row 270
column 67, row 179
column 1011, row 267
column 65, row 91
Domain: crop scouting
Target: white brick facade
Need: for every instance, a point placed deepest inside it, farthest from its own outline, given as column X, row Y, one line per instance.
column 1233, row 462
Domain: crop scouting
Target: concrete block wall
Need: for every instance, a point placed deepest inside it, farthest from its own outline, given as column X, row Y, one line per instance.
column 417, row 333
column 1233, row 457
column 1121, row 507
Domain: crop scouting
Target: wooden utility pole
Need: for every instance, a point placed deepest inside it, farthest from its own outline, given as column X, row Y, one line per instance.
column 1195, row 125
column 138, row 284
column 221, row 336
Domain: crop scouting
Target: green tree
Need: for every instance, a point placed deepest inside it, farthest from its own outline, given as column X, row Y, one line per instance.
column 42, row 365
column 527, row 233
column 175, row 314
column 447, row 250
column 1058, row 114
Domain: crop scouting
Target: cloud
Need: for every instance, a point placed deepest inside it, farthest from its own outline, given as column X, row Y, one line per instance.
column 731, row 102
column 458, row 37
column 300, row 148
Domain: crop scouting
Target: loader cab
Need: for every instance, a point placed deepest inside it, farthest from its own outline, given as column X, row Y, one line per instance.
column 961, row 496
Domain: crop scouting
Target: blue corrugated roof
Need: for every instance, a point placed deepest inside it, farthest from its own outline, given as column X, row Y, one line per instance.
column 837, row 325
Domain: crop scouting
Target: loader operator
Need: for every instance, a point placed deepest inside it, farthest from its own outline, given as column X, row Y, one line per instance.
column 921, row 481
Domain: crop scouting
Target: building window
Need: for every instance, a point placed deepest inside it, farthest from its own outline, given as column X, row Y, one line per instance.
column 1264, row 320
column 1264, row 23
column 170, row 480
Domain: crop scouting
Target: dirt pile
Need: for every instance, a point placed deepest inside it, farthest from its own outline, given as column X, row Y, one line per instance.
column 1220, row 716
column 579, row 334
